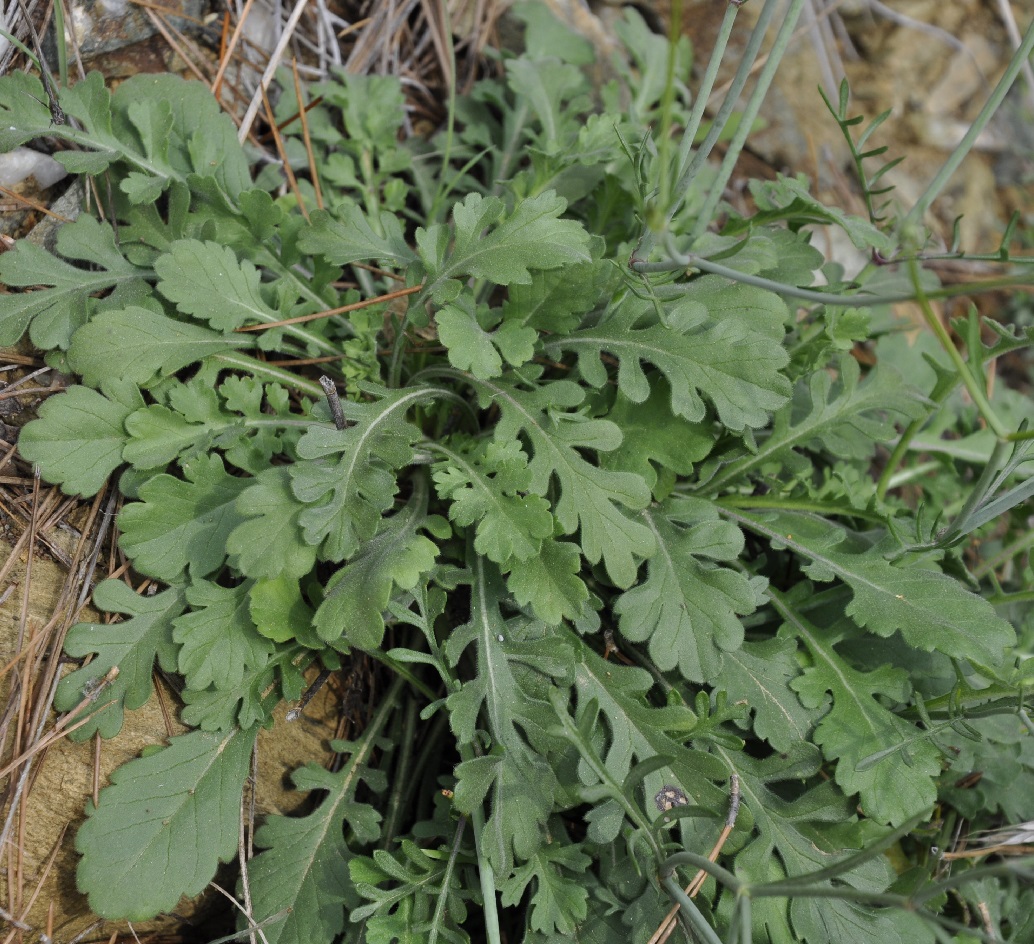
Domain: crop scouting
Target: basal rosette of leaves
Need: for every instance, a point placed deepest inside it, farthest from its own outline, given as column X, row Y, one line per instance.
column 608, row 532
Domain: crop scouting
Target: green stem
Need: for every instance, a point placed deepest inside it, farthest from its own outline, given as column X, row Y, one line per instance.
column 721, row 120
column 975, row 388
column 273, row 264
column 750, row 113
column 59, row 42
column 698, row 861
column 667, row 106
column 1020, row 596
column 690, row 911
column 677, row 260
column 443, row 894
column 1017, row 867
column 508, row 155
column 689, row 168
column 403, row 672
column 268, row 372
column 897, row 456
column 912, row 474
column 749, row 502
column 1025, row 542
column 485, row 872
column 613, row 788
column 22, row 48
column 981, row 490
column 941, row 178
column 401, row 775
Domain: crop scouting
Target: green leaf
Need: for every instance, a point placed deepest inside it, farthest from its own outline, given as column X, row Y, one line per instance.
column 589, row 496
column 831, row 413
column 357, row 595
column 470, row 346
column 348, row 495
column 200, row 418
column 758, row 310
column 859, row 725
column 638, row 731
column 249, row 702
column 304, row 868
column 182, row 523
column 131, row 646
column 932, row 611
column 555, row 300
column 548, row 37
column 550, row 583
column 733, row 366
column 795, row 836
column 280, row 613
column 762, row 675
column 208, row 281
column 24, row 114
column 686, row 607
column 488, row 485
column 788, row 197
column 163, row 825
column 1004, row 757
column 656, row 443
column 558, row 900
column 520, row 781
column 269, row 543
column 218, row 641
column 79, row 436
column 347, row 236
column 427, row 894
column 530, row 237
column 136, row 343
column 480, row 351
column 162, row 126
column 56, row 311
column 202, row 140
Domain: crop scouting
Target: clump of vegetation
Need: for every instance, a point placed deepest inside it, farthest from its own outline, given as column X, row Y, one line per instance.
column 592, row 474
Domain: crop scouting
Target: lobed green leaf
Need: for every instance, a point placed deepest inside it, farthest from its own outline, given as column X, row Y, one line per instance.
column 164, row 825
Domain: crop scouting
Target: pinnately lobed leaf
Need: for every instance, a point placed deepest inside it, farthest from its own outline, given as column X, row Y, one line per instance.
column 304, row 866
column 130, row 646
column 932, row 611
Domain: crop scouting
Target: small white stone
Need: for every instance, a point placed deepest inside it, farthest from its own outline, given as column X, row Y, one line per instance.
column 22, row 162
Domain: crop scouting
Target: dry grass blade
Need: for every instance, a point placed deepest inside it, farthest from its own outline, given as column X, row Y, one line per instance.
column 354, row 306
column 303, row 120
column 270, row 70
